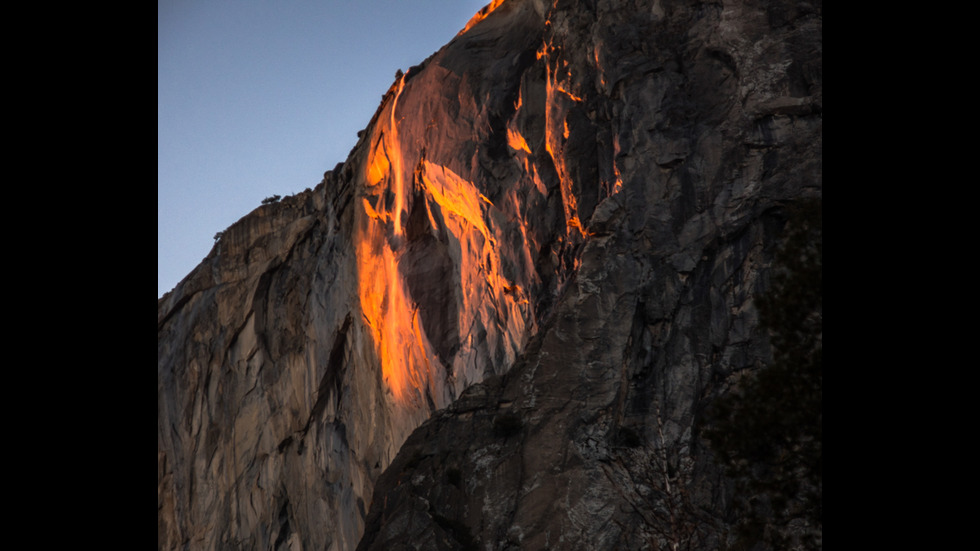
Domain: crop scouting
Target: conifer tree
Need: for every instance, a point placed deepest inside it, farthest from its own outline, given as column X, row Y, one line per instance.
column 768, row 432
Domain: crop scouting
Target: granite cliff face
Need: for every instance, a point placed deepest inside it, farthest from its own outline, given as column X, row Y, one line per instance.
column 541, row 253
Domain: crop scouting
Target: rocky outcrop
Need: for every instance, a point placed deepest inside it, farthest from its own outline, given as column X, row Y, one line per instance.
column 543, row 249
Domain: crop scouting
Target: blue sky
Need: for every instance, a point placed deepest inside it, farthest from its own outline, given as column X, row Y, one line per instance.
column 260, row 97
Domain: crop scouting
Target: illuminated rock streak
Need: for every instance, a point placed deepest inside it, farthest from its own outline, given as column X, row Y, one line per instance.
column 486, row 297
column 489, row 308
column 401, row 345
column 395, row 155
column 389, row 314
column 486, row 293
column 481, row 15
column 485, row 311
column 556, row 129
column 618, row 185
column 516, row 141
column 385, row 163
column 405, row 186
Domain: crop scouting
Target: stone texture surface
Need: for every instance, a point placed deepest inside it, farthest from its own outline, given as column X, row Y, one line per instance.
column 546, row 242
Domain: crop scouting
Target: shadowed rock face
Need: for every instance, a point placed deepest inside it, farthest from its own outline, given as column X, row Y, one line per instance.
column 549, row 237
